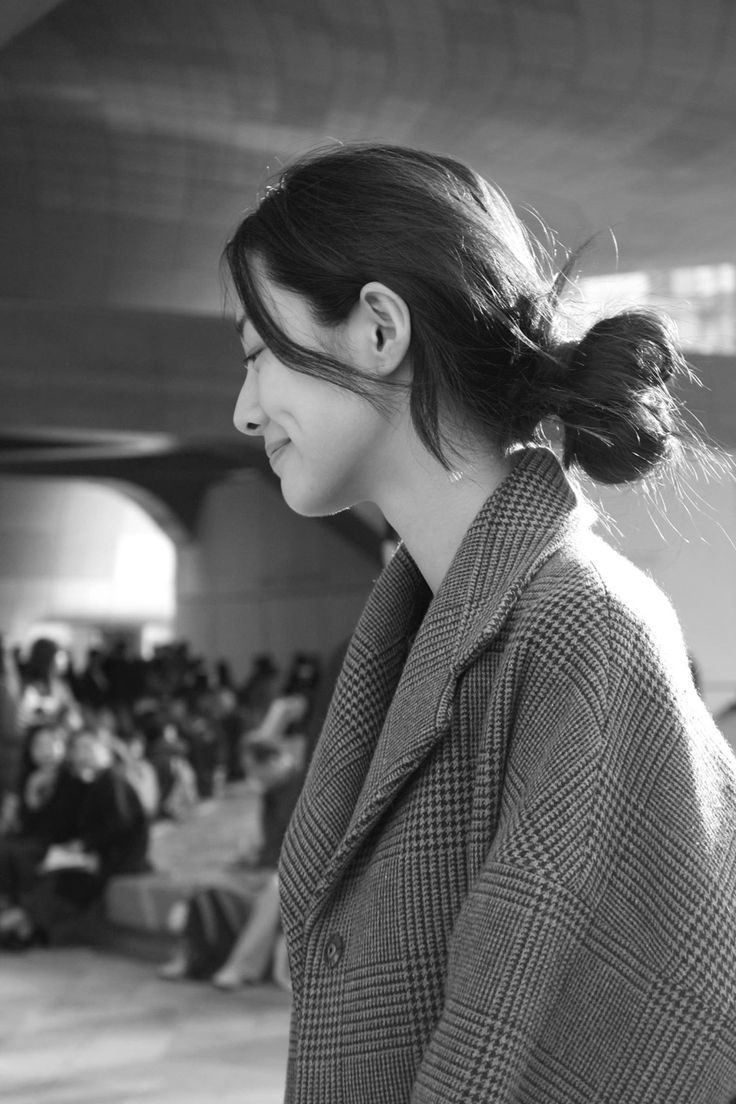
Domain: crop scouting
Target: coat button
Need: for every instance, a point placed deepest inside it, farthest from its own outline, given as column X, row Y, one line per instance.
column 334, row 948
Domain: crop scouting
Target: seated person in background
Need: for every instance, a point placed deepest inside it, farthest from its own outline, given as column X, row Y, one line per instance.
column 11, row 736
column 229, row 931
column 130, row 756
column 24, row 844
column 46, row 751
column 167, row 753
column 274, row 759
column 46, row 695
column 235, row 938
column 45, row 698
column 231, row 938
column 95, row 827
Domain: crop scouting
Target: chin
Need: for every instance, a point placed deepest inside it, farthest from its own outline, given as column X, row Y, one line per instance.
column 316, row 502
column 315, row 506
column 314, row 510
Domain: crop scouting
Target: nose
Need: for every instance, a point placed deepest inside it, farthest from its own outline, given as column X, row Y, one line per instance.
column 248, row 416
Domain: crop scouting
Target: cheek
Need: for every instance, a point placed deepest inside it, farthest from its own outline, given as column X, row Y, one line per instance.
column 284, row 390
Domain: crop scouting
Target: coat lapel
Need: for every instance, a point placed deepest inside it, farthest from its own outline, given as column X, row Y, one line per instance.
column 389, row 710
column 365, row 689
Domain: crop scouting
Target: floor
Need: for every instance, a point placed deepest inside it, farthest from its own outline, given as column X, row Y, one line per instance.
column 79, row 1026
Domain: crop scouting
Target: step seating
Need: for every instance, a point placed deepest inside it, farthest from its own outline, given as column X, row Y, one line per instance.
column 133, row 917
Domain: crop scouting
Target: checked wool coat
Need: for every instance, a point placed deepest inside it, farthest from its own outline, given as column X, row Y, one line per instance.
column 511, row 874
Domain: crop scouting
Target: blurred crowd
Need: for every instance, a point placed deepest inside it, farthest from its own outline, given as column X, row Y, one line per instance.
column 90, row 757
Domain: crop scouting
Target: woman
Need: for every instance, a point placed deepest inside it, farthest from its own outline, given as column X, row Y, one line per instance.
column 93, row 827
column 23, row 849
column 11, row 739
column 510, row 875
column 44, row 699
column 46, row 695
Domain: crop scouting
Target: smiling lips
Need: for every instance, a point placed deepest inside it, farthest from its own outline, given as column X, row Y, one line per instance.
column 272, row 451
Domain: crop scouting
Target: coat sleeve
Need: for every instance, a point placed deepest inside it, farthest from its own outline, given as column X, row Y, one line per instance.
column 594, row 957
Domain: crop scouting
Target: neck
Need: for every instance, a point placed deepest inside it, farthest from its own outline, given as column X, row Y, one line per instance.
column 432, row 509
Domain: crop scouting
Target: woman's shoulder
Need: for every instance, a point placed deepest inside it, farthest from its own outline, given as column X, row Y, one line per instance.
column 590, row 580
column 591, row 609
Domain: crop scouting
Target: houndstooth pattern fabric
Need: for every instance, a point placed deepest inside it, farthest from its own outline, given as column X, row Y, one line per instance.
column 511, row 874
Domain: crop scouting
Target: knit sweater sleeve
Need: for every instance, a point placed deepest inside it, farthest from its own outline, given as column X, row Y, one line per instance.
column 585, row 963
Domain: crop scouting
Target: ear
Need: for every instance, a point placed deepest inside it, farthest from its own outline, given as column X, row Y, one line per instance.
column 380, row 329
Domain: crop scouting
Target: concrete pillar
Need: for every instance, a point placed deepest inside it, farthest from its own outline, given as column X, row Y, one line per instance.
column 259, row 578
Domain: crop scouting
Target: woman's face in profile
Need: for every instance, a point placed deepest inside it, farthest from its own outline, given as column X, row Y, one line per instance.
column 322, row 441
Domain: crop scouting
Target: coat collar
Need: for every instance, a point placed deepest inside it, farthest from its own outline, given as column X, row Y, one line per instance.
column 526, row 519
column 390, row 709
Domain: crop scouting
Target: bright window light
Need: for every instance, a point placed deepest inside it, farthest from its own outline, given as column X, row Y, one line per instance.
column 701, row 299
column 143, row 576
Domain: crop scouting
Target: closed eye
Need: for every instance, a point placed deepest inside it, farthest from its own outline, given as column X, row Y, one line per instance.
column 250, row 358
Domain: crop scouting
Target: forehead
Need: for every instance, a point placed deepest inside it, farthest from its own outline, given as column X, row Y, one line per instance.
column 259, row 287
column 288, row 311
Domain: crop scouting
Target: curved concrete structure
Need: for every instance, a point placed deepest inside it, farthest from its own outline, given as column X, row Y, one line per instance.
column 133, row 133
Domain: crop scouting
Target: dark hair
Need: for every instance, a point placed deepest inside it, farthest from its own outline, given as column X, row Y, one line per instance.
column 488, row 333
column 41, row 660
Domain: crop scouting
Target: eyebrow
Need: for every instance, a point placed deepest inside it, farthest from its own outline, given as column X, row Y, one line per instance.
column 240, row 324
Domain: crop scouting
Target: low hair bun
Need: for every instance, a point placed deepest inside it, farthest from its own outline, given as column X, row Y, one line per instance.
column 620, row 419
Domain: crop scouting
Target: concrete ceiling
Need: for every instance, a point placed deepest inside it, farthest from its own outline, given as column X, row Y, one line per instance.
column 133, row 132
column 17, row 15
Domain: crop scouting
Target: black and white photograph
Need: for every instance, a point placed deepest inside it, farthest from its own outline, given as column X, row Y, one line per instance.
column 367, row 552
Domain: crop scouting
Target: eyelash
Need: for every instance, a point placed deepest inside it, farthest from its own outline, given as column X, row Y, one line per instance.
column 251, row 358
